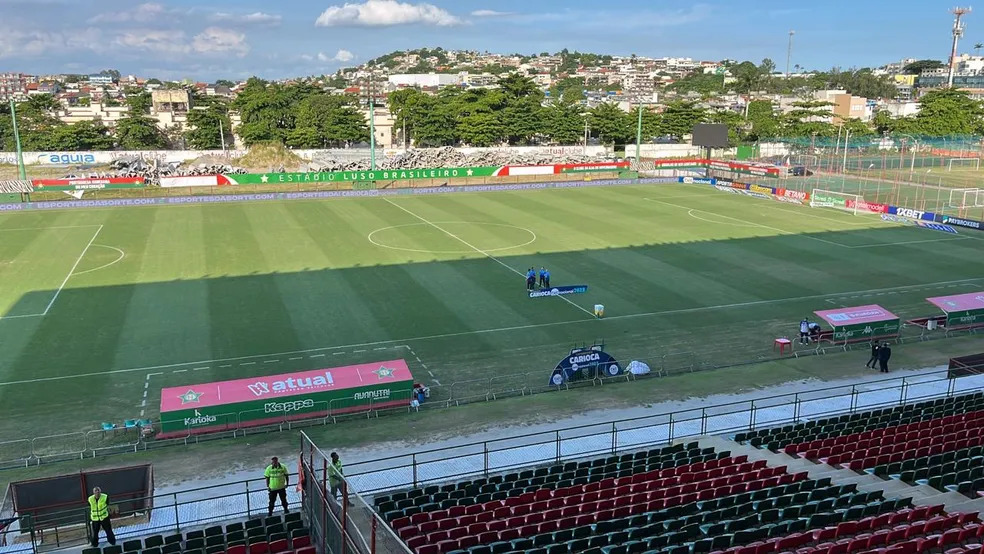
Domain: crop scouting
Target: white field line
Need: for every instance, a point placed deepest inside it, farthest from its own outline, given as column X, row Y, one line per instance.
column 404, row 341
column 480, row 251
column 71, row 271
column 911, row 242
column 104, row 266
column 46, row 228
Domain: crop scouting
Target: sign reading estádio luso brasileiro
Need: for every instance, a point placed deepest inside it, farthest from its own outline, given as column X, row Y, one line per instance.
column 255, row 401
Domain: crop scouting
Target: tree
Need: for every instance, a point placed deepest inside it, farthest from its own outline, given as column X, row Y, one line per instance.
column 734, row 121
column 139, row 133
column 564, row 123
column 808, row 118
column 84, row 135
column 610, row 124
column 705, row 84
column 153, row 81
column 679, row 118
column 767, row 67
column 762, row 121
column 407, row 105
column 857, row 128
column 917, row 67
column 977, row 47
column 747, row 77
column 208, row 127
column 37, row 122
column 139, row 103
column 949, row 111
column 518, row 86
column 436, row 125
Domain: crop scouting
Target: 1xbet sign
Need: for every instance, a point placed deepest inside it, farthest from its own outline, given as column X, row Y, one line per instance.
column 906, row 212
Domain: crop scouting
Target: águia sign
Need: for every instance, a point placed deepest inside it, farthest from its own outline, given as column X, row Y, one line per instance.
column 224, row 405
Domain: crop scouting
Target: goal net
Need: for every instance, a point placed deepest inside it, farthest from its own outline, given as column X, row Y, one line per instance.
column 966, row 198
column 963, row 163
column 838, row 200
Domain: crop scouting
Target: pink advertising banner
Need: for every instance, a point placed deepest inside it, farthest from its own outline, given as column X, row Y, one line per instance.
column 856, row 316
column 959, row 302
column 284, row 385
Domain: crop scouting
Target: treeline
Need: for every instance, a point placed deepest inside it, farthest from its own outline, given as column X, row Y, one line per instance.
column 41, row 130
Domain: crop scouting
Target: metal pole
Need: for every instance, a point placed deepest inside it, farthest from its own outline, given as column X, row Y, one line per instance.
column 21, row 172
column 372, row 129
column 585, row 136
column 789, row 52
column 847, row 139
column 222, row 134
column 639, row 133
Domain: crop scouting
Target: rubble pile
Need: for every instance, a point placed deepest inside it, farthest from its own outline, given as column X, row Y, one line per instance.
column 447, row 157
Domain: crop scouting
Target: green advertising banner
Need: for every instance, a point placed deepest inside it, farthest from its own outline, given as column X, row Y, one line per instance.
column 822, row 200
column 356, row 176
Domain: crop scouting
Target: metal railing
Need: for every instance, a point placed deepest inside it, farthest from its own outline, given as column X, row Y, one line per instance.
column 499, row 455
column 171, row 513
column 673, row 354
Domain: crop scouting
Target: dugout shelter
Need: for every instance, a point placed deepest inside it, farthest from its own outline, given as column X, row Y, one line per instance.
column 859, row 324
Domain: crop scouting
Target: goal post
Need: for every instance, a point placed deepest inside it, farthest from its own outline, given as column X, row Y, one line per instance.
column 838, row 200
column 974, row 163
column 966, row 198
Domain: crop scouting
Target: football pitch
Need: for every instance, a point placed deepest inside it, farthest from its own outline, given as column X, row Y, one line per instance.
column 102, row 308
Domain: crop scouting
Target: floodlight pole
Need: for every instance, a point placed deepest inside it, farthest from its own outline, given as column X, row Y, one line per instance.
column 639, row 134
column 372, row 128
column 847, row 138
column 222, row 134
column 21, row 172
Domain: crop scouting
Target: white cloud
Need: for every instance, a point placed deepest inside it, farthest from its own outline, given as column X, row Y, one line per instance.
column 149, row 40
column 213, row 40
column 255, row 18
column 18, row 42
column 342, row 56
column 490, row 13
column 216, row 40
column 149, row 12
column 379, row 13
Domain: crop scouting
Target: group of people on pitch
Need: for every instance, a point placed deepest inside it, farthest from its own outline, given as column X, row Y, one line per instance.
column 531, row 275
column 880, row 354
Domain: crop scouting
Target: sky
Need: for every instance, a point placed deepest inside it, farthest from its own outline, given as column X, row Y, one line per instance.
column 233, row 39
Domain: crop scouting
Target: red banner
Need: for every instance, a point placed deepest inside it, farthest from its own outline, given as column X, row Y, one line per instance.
column 41, row 183
column 867, row 206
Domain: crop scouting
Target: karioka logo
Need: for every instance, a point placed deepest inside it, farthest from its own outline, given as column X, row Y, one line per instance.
column 199, row 419
column 292, row 384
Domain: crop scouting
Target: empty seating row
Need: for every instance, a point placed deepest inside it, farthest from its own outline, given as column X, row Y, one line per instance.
column 781, row 437
column 261, row 535
column 583, row 511
column 690, row 530
column 501, row 486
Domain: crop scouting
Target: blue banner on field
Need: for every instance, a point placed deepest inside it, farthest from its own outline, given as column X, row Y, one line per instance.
column 912, row 214
column 585, row 363
column 919, row 223
column 698, row 180
column 960, row 222
column 559, row 291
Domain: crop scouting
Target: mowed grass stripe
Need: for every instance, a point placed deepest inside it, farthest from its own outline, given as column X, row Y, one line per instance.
column 247, row 312
column 169, row 303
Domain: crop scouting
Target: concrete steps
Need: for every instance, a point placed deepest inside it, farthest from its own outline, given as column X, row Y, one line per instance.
column 921, row 495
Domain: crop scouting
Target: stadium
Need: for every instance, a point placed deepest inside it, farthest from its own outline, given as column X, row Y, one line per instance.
column 721, row 345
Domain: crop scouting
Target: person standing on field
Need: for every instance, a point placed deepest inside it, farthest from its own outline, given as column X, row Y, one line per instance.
column 277, row 479
column 874, row 355
column 99, row 517
column 884, row 353
column 805, row 331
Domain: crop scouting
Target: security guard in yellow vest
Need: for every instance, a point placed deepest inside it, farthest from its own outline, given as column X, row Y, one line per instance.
column 99, row 516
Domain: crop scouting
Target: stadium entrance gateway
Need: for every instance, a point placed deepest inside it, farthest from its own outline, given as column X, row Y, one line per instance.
column 861, row 323
column 262, row 400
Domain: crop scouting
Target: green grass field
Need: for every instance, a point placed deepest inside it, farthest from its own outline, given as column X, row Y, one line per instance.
column 102, row 308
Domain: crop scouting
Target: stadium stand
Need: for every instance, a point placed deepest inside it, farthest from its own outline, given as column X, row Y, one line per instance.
column 698, row 499
column 264, row 535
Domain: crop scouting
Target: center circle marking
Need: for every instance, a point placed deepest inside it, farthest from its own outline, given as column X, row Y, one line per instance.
column 465, row 250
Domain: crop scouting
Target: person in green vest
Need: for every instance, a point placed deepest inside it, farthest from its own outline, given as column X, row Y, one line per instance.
column 99, row 516
column 336, row 477
column 277, row 479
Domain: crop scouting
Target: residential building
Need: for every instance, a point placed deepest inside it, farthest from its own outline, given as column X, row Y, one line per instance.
column 425, row 79
column 13, row 85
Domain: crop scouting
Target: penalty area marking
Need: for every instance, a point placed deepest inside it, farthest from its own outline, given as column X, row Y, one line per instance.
column 122, row 255
column 403, row 341
column 697, row 217
column 423, row 251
